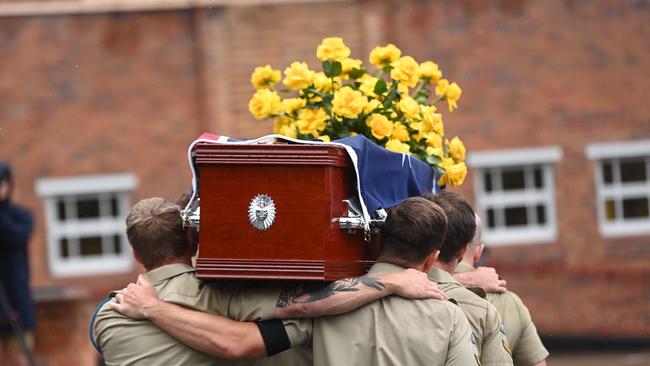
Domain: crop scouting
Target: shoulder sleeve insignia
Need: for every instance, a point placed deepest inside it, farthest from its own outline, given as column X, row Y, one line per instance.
column 502, row 328
column 473, row 339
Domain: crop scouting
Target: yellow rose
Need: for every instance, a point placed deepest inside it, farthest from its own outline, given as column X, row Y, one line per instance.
column 380, row 126
column 430, row 71
column 322, row 82
column 441, row 88
column 452, row 96
column 434, row 151
column 350, row 63
column 332, row 48
column 455, row 173
column 434, row 140
column 289, row 131
column 400, row 132
column 406, row 71
column 371, row 106
column 291, row 105
column 368, row 83
column 456, row 149
column 265, row 103
column 263, row 77
column 402, row 88
column 325, row 138
column 311, row 121
column 298, row 76
column 431, row 121
column 398, row 146
column 348, row 102
column 383, row 56
column 409, row 107
column 280, row 122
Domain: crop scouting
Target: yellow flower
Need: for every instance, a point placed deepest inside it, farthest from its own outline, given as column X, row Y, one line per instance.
column 455, row 173
column 456, row 149
column 311, row 121
column 368, row 83
column 348, row 102
column 383, row 56
column 406, row 71
column 332, row 48
column 431, row 121
column 452, row 96
column 289, row 131
column 290, row 105
column 325, row 138
column 371, row 106
column 280, row 122
column 434, row 140
column 434, row 151
column 298, row 76
column 380, row 126
column 265, row 103
column 350, row 63
column 402, row 88
column 263, row 77
column 430, row 71
column 322, row 82
column 400, row 132
column 398, row 146
column 409, row 107
column 441, row 88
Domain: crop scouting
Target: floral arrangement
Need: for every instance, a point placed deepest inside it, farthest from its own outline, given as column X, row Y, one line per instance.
column 394, row 106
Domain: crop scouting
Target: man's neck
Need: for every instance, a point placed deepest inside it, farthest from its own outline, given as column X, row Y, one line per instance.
column 187, row 261
column 399, row 263
column 447, row 267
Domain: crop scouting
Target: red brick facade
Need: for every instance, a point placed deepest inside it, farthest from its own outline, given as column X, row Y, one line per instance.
column 110, row 92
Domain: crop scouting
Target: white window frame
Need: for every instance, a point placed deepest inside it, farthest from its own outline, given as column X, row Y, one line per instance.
column 545, row 157
column 615, row 151
column 53, row 189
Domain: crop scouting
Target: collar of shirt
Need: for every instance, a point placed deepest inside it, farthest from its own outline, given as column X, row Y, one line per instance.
column 382, row 267
column 463, row 267
column 168, row 271
column 441, row 276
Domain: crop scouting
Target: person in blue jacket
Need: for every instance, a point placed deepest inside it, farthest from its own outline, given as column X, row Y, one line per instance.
column 17, row 321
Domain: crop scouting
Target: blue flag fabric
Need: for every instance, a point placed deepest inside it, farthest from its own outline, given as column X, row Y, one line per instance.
column 387, row 178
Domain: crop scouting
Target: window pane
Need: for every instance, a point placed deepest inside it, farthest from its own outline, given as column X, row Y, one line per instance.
column 90, row 245
column 633, row 170
column 114, row 207
column 513, row 179
column 117, row 239
column 608, row 176
column 610, row 210
column 490, row 218
column 87, row 208
column 487, row 178
column 541, row 214
column 63, row 248
column 60, row 208
column 539, row 181
column 516, row 216
column 635, row 207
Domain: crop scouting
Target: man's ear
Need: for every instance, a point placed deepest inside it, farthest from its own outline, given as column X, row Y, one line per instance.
column 478, row 252
column 462, row 252
column 428, row 263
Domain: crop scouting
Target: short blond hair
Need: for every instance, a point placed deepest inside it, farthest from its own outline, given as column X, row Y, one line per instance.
column 155, row 231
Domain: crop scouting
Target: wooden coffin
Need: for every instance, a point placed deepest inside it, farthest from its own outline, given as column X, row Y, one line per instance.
column 297, row 236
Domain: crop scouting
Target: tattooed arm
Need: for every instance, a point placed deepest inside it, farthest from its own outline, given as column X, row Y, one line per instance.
column 348, row 294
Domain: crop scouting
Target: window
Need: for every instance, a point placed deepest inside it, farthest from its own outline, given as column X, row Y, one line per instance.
column 622, row 186
column 515, row 194
column 85, row 223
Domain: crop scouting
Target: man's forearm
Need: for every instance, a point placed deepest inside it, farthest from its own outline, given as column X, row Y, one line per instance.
column 212, row 334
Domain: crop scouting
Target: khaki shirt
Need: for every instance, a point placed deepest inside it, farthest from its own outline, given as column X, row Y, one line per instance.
column 483, row 317
column 126, row 341
column 527, row 347
column 394, row 331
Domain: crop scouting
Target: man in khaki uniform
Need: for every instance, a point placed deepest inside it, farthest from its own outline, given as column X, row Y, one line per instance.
column 393, row 330
column 527, row 347
column 160, row 243
column 483, row 317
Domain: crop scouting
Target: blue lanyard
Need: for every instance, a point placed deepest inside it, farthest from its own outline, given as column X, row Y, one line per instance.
column 92, row 322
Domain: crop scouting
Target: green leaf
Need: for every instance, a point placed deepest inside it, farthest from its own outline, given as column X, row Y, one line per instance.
column 356, row 73
column 433, row 160
column 332, row 68
column 380, row 87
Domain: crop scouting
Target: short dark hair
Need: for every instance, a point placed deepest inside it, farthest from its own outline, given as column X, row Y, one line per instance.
column 461, row 224
column 155, row 231
column 412, row 231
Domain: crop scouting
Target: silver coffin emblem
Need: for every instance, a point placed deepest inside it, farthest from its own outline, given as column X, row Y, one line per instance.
column 261, row 212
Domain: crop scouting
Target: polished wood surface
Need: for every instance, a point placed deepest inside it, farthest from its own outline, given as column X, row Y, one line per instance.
column 307, row 184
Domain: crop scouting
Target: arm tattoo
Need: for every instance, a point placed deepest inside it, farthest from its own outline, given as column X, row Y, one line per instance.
column 290, row 296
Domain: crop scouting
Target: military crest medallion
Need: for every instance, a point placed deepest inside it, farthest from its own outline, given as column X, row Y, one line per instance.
column 261, row 212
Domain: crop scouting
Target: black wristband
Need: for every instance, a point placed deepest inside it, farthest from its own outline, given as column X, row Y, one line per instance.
column 274, row 335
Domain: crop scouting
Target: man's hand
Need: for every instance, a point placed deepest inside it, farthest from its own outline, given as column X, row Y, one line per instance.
column 413, row 284
column 136, row 299
column 485, row 277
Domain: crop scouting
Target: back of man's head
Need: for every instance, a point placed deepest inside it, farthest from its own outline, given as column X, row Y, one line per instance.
column 413, row 230
column 155, row 231
column 461, row 224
